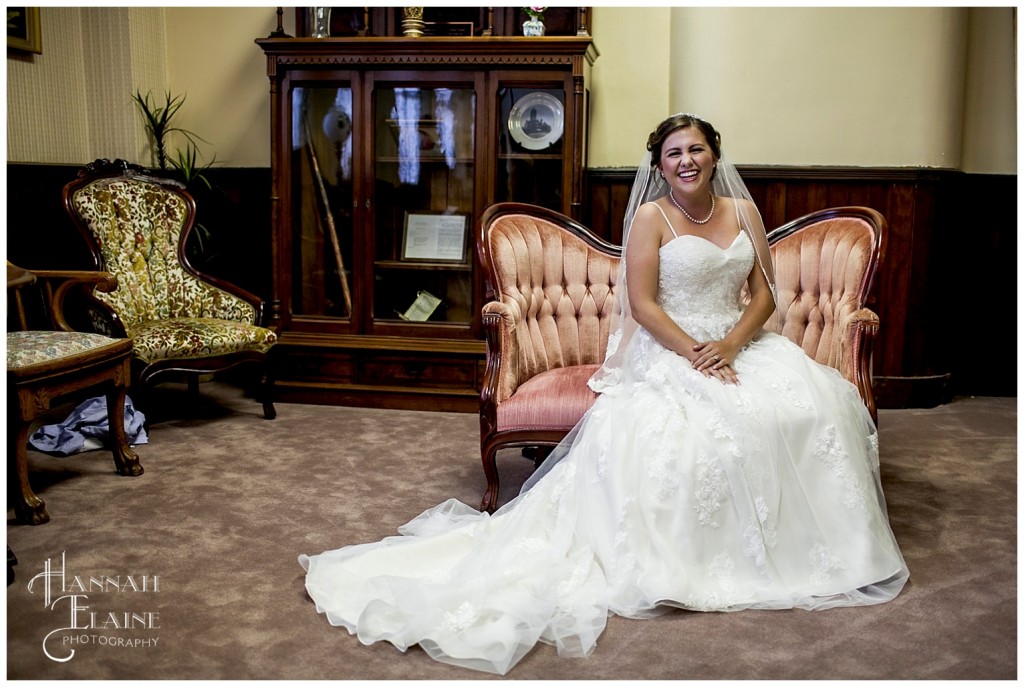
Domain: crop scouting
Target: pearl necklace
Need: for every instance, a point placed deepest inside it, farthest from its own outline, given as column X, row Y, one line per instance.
column 687, row 214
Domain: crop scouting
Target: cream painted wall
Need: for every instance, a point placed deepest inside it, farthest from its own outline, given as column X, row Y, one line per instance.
column 870, row 86
column 224, row 74
column 825, row 86
column 990, row 98
column 628, row 89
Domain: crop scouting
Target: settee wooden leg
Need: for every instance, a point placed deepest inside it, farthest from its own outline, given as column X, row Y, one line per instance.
column 490, row 500
column 267, row 393
column 28, row 508
column 125, row 459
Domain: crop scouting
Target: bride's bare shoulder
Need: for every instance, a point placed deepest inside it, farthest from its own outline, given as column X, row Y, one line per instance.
column 743, row 205
column 650, row 209
column 648, row 216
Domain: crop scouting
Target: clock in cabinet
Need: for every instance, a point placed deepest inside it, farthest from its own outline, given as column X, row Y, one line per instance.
column 384, row 152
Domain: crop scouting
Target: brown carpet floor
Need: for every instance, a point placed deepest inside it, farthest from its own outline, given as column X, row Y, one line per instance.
column 228, row 501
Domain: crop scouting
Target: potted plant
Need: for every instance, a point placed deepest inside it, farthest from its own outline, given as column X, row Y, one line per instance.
column 183, row 163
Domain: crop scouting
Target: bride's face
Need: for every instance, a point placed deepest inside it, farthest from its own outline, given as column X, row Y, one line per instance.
column 687, row 161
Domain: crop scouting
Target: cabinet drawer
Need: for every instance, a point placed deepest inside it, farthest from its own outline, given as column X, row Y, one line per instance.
column 435, row 372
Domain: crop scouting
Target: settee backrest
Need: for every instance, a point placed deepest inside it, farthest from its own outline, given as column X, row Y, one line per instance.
column 824, row 268
column 560, row 280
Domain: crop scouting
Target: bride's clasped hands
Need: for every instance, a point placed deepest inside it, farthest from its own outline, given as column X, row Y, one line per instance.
column 715, row 358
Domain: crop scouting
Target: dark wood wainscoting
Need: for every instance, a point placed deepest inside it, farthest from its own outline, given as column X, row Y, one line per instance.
column 947, row 290
column 946, row 294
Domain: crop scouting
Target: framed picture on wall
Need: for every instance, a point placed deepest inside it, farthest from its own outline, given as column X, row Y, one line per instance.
column 23, row 29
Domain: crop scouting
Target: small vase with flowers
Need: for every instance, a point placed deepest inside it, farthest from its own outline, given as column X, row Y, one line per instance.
column 534, row 26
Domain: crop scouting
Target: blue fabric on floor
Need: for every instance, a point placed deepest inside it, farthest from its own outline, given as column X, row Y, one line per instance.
column 86, row 429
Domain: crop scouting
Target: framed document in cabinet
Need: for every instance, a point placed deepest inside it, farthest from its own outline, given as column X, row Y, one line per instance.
column 434, row 237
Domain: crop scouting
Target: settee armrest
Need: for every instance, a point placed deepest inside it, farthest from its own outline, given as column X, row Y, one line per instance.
column 501, row 376
column 58, row 284
column 858, row 330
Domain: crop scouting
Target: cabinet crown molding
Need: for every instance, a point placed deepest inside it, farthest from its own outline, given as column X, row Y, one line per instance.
column 513, row 50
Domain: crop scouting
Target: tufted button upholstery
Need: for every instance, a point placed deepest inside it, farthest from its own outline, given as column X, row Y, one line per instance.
column 559, row 290
column 554, row 285
column 821, row 274
column 547, row 329
column 181, row 320
column 137, row 225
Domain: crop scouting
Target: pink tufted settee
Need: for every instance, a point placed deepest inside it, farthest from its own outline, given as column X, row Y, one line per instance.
column 553, row 286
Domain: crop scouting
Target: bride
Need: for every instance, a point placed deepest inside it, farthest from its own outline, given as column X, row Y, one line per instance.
column 719, row 469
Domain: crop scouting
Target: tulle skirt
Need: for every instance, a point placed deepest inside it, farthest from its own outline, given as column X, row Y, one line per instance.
column 675, row 490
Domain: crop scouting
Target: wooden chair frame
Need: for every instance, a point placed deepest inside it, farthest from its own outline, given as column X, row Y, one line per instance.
column 33, row 391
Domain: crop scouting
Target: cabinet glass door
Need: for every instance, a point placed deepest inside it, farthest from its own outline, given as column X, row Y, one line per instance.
column 321, row 201
column 531, row 144
column 424, row 188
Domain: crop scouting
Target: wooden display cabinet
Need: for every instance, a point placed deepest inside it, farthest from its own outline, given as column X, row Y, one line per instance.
column 385, row 152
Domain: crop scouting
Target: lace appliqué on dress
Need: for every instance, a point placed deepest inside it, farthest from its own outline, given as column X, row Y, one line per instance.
column 662, row 471
column 712, row 487
column 746, row 405
column 599, row 415
column 460, row 619
column 569, row 589
column 723, row 571
column 831, row 452
column 720, row 429
column 873, row 449
column 823, row 561
column 625, row 561
column 784, row 387
column 760, row 535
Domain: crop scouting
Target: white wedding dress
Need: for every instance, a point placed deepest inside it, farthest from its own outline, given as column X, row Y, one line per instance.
column 678, row 491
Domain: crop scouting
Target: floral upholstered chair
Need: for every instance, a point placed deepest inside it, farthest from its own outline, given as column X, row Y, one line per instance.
column 181, row 321
column 47, row 366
